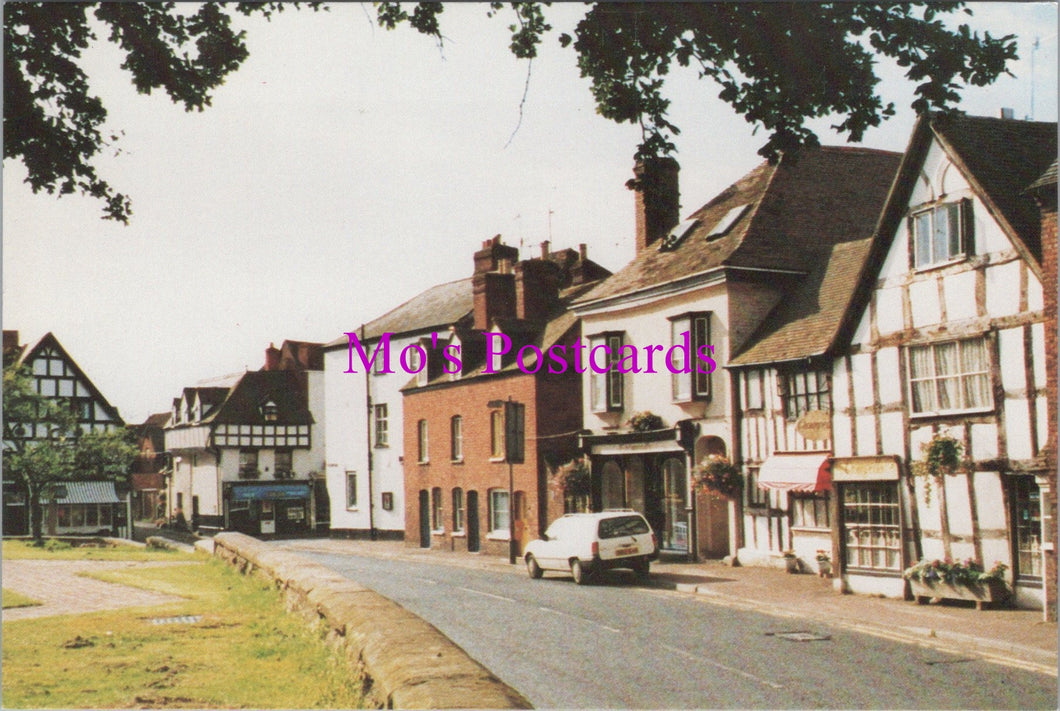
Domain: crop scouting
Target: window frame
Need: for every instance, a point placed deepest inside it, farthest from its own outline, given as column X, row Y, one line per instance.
column 437, row 511
column 459, row 511
column 756, row 496
column 380, row 422
column 698, row 386
column 611, row 382
column 277, row 472
column 816, row 505
column 456, row 438
column 960, row 376
column 1026, row 496
column 423, row 453
column 497, row 448
column 958, row 238
column 351, row 490
column 495, row 512
column 873, row 508
column 797, row 403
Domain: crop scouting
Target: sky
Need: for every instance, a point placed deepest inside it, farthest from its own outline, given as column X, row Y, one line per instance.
column 344, row 168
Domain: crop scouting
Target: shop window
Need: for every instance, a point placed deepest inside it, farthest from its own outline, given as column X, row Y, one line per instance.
column 941, row 233
column 500, row 520
column 872, row 526
column 456, row 438
column 804, row 391
column 810, row 512
column 951, row 376
column 351, row 490
column 380, row 412
column 612, row 486
column 422, row 442
column 695, row 384
column 437, row 522
column 458, row 510
column 606, row 389
column 1027, row 519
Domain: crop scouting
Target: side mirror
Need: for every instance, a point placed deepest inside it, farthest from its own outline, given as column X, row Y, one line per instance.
column 544, row 537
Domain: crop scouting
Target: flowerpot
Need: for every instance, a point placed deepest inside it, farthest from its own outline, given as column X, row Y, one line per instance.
column 824, row 568
column 979, row 593
column 791, row 565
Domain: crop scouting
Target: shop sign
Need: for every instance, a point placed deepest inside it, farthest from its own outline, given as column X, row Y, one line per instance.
column 884, row 468
column 265, row 492
column 815, row 425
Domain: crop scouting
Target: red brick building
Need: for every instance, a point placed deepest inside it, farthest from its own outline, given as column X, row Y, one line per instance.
column 457, row 490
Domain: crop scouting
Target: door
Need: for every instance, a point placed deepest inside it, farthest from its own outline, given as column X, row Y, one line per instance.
column 521, row 525
column 425, row 519
column 268, row 517
column 472, row 522
column 675, row 528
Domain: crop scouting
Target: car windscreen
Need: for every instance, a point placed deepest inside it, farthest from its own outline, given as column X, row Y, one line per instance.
column 622, row 526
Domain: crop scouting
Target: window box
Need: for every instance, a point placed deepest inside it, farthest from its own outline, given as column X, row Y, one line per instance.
column 987, row 591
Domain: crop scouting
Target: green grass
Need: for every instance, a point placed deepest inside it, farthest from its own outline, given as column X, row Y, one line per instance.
column 246, row 651
column 14, row 599
column 59, row 550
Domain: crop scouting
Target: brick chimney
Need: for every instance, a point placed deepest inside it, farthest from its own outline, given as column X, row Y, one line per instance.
column 537, row 284
column 658, row 201
column 493, row 283
column 272, row 357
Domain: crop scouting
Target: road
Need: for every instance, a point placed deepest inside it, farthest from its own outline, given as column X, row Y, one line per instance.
column 620, row 645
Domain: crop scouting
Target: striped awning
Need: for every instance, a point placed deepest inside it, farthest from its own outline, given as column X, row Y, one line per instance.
column 86, row 492
column 796, row 471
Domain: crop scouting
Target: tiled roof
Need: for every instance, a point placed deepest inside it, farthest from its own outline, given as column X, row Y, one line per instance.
column 440, row 305
column 285, row 388
column 88, row 492
column 816, row 198
column 1046, row 179
column 1003, row 156
column 806, row 322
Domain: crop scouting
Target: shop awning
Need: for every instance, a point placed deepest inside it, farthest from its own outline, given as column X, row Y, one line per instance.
column 86, row 492
column 796, row 471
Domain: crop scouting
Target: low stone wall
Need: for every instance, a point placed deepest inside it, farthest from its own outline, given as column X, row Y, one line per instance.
column 404, row 662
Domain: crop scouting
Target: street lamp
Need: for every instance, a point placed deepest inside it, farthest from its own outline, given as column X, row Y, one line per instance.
column 514, row 417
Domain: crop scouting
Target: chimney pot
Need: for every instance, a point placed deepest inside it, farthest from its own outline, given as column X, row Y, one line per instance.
column 545, row 249
column 1007, row 113
column 583, row 252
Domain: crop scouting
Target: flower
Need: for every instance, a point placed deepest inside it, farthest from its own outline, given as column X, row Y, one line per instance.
column 964, row 572
column 823, row 557
column 646, row 421
column 717, row 474
column 789, row 554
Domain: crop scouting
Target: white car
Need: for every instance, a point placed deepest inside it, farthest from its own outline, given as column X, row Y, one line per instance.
column 585, row 544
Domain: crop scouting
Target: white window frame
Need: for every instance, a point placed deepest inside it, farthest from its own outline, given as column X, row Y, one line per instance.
column 380, row 417
column 961, row 376
column 423, row 442
column 456, row 438
column 607, row 389
column 691, row 386
column 351, row 490
column 499, row 515
column 927, row 250
column 459, row 511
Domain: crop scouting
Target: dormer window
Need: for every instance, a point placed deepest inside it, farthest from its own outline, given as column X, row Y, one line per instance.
column 270, row 411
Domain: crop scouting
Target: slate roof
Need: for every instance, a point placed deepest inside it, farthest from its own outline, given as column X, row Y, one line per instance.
column 1003, row 157
column 815, row 198
column 286, row 388
column 88, row 492
column 440, row 305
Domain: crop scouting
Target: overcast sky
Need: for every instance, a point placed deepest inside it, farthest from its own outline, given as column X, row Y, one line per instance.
column 344, row 168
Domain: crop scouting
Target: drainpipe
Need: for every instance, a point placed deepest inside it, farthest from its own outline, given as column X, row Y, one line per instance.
column 368, row 442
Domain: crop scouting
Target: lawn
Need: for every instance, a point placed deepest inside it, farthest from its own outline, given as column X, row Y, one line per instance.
column 13, row 599
column 232, row 646
column 59, row 550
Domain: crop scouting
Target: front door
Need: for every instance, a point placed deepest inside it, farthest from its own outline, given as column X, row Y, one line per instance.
column 472, row 522
column 425, row 519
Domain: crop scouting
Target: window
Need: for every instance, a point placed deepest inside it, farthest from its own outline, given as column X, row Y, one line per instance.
column 380, row 425
column 805, row 391
column 499, row 512
column 694, row 384
column 606, row 388
column 437, row 522
column 1027, row 520
column 753, row 393
column 270, row 411
column 351, row 490
column 757, row 497
column 941, row 233
column 497, row 434
column 950, row 376
column 284, row 464
column 872, row 526
column 421, row 441
column 458, row 510
column 810, row 512
column 248, row 464
column 456, row 438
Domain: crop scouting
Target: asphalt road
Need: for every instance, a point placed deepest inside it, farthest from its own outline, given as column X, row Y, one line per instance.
column 617, row 645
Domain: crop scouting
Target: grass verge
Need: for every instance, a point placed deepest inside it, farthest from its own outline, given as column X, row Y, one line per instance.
column 244, row 650
column 60, row 550
column 14, row 599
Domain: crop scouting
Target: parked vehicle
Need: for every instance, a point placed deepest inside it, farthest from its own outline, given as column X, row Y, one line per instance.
column 588, row 543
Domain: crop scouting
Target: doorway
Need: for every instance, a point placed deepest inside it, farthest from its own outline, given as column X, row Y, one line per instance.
column 472, row 522
column 425, row 519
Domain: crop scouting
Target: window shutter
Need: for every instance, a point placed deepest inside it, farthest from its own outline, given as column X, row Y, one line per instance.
column 967, row 227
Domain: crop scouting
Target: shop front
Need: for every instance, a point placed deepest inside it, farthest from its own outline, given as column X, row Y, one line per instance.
column 262, row 508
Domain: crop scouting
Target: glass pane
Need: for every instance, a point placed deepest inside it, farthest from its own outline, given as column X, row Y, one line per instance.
column 954, row 221
column 922, row 238
column 940, row 239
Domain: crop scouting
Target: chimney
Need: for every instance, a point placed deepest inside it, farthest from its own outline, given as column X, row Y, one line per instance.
column 1007, row 113
column 493, row 284
column 537, row 283
column 545, row 249
column 10, row 340
column 658, row 201
column 272, row 358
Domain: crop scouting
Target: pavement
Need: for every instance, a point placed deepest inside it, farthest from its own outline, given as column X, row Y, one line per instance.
column 1018, row 638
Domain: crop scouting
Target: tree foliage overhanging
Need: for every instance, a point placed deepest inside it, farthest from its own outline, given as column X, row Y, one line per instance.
column 777, row 64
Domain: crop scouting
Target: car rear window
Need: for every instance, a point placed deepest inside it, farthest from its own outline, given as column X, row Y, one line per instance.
column 622, row 526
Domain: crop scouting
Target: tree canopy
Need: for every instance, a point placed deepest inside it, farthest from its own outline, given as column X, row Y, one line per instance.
column 777, row 64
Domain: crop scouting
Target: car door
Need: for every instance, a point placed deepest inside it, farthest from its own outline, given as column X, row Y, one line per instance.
column 550, row 550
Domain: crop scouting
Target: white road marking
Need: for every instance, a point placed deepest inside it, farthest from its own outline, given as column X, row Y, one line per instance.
column 580, row 619
column 703, row 660
column 486, row 594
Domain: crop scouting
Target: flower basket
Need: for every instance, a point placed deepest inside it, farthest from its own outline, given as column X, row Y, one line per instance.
column 988, row 591
column 717, row 474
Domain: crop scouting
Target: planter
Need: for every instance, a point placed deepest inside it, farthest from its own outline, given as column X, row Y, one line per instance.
column 791, row 565
column 979, row 593
column 824, row 568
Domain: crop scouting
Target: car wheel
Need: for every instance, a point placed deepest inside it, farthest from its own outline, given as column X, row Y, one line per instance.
column 578, row 571
column 532, row 568
column 642, row 568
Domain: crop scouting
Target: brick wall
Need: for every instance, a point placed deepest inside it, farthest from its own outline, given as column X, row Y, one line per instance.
column 1049, row 282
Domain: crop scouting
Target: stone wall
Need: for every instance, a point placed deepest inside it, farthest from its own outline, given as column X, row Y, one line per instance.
column 404, row 662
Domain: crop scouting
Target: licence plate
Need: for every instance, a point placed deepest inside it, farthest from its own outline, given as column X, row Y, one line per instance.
column 627, row 551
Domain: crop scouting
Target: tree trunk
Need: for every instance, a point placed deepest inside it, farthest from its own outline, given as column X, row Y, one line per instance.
column 36, row 514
